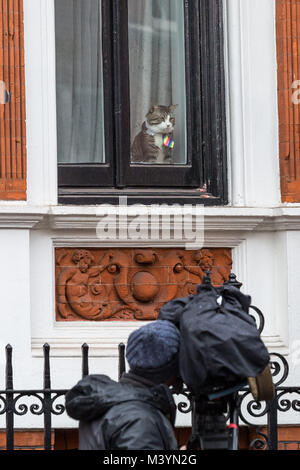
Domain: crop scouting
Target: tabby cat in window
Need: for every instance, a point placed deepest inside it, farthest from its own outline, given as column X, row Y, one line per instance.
column 154, row 143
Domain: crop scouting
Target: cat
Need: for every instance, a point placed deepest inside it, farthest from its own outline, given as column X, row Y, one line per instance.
column 154, row 143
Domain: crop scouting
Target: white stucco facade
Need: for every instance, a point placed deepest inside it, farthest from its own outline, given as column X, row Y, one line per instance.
column 263, row 233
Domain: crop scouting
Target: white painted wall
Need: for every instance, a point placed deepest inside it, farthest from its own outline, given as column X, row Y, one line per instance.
column 252, row 102
column 39, row 39
column 15, row 295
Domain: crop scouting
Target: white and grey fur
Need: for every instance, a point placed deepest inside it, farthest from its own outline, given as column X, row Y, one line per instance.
column 148, row 146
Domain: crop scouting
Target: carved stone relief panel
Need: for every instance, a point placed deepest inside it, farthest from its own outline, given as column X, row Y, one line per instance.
column 130, row 284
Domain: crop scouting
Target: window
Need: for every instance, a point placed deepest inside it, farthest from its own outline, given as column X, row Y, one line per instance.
column 140, row 101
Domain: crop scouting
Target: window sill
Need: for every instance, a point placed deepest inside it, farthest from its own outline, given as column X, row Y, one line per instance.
column 82, row 196
column 225, row 218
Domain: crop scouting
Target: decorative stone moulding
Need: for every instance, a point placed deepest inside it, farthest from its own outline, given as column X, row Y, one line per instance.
column 99, row 284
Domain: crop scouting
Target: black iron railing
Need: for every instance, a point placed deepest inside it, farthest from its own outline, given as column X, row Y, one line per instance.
column 45, row 401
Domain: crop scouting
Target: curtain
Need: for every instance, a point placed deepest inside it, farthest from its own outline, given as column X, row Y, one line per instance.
column 80, row 121
column 157, row 64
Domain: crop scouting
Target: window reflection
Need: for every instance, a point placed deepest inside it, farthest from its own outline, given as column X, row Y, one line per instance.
column 157, row 81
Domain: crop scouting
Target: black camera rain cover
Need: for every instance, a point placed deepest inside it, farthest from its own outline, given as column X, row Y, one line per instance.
column 220, row 342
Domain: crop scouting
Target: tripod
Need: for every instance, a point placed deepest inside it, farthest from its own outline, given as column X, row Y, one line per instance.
column 209, row 428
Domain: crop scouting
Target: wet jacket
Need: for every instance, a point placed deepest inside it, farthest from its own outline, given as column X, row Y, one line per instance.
column 132, row 414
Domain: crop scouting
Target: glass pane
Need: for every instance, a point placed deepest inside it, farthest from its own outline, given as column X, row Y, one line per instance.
column 157, row 81
column 79, row 81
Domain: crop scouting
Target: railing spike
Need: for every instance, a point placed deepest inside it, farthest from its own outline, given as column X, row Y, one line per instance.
column 207, row 279
column 122, row 366
column 9, row 368
column 9, row 399
column 232, row 281
column 85, row 359
column 47, row 379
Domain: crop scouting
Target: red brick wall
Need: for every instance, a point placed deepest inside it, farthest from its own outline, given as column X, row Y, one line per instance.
column 67, row 439
column 12, row 114
column 288, row 60
column 28, row 439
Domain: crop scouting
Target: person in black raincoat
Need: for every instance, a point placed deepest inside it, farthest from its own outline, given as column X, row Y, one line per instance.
column 138, row 412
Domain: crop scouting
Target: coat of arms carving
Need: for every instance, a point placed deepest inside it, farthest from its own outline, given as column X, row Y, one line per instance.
column 130, row 284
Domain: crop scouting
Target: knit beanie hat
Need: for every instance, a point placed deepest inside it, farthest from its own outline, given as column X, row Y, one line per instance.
column 153, row 351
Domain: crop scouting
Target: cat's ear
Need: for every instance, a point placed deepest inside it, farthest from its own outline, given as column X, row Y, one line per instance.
column 153, row 108
column 173, row 107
